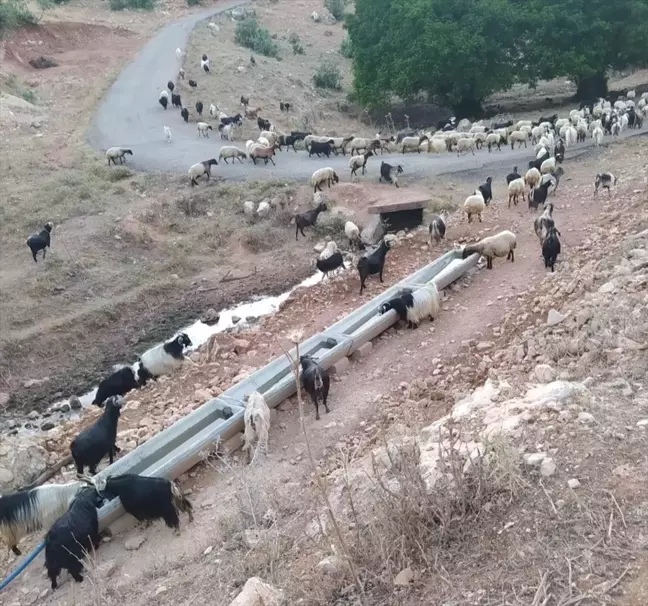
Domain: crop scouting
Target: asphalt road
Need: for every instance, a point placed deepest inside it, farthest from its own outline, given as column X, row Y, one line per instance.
column 130, row 116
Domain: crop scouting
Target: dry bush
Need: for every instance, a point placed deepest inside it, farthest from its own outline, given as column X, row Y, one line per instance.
column 261, row 237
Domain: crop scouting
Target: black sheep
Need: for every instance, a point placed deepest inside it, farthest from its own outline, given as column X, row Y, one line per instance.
column 315, row 380
column 73, row 536
column 330, row 263
column 199, row 107
column 98, row 440
column 147, row 498
column 551, row 248
column 193, row 84
column 164, row 101
column 118, row 383
column 373, row 263
column 41, row 240
column 170, row 86
column 512, row 176
column 307, row 219
column 175, row 100
column 487, row 191
column 320, row 148
column 184, row 112
column 263, row 124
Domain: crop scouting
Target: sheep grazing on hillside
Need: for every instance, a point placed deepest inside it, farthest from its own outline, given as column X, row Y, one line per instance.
column 323, row 175
column 98, row 440
column 474, row 205
column 390, row 173
column 357, row 162
column 28, row 511
column 543, row 223
column 352, row 232
column 163, row 99
column 373, row 263
column 145, row 498
column 41, row 240
column 164, row 358
column 330, row 259
column 315, row 381
column 118, row 383
column 414, row 307
column 604, row 180
column 257, row 427
column 437, row 228
column 308, row 219
column 73, row 536
column 201, row 168
column 499, row 245
column 551, row 248
column 117, row 153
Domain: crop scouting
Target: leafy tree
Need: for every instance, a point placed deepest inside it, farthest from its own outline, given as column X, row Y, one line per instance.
column 584, row 39
column 458, row 52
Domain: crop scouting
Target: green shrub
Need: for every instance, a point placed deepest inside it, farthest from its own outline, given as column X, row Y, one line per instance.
column 336, row 8
column 13, row 15
column 251, row 35
column 295, row 42
column 328, row 76
column 29, row 95
column 193, row 2
column 345, row 48
column 120, row 5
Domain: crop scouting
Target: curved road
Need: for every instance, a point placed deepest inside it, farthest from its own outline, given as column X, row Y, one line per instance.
column 131, row 116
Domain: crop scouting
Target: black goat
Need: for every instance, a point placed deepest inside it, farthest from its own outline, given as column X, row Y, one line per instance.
column 551, row 248
column 98, row 440
column 73, row 536
column 320, row 148
column 284, row 107
column 237, row 119
column 559, row 151
column 373, row 263
column 147, row 498
column 308, row 219
column 199, row 107
column 245, row 101
column 193, row 84
column 118, row 383
column 537, row 163
column 184, row 112
column 176, row 101
column 170, row 86
column 538, row 195
column 41, row 240
column 164, row 101
column 330, row 263
column 263, row 124
column 551, row 119
column 512, row 176
column 288, row 141
column 315, row 380
column 299, row 135
column 486, row 190
column 501, row 125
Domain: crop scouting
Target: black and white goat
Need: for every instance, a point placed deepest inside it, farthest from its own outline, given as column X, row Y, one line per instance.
column 118, row 383
column 315, row 380
column 543, row 223
column 390, row 173
column 98, row 440
column 330, row 259
column 538, row 195
column 27, row 511
column 257, row 426
column 373, row 263
column 308, row 219
column 551, row 248
column 438, row 226
column 604, row 180
column 145, row 498
column 41, row 240
column 414, row 307
column 73, row 537
column 163, row 358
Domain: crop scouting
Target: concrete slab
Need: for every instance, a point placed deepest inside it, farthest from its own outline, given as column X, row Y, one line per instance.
column 393, row 206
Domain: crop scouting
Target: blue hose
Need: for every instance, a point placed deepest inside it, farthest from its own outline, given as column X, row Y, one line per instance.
column 28, row 560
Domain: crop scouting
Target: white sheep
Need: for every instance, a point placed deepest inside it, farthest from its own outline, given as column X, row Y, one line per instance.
column 548, row 166
column 323, row 175
column 465, row 144
column 519, row 137
column 493, row 139
column 522, row 123
column 227, row 131
column 597, row 135
column 464, row 125
column 356, row 162
column 203, row 129
column 358, row 143
column 249, row 208
column 167, row 134
column 541, row 152
column 201, row 168
column 560, row 123
column 352, row 232
column 257, row 426
column 570, row 136
column 437, row 145
column 271, row 137
column 536, row 133
column 532, row 177
column 248, row 146
column 474, row 205
column 330, row 249
column 213, row 110
column 477, row 128
column 412, row 143
column 264, row 209
column 499, row 245
column 515, row 188
column 231, row 152
column 163, row 358
column 415, row 307
column 213, row 27
column 117, row 153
